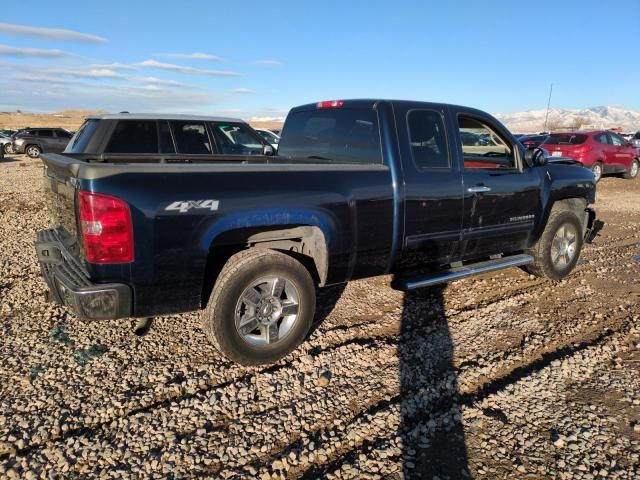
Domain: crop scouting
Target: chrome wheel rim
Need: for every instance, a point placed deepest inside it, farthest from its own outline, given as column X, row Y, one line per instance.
column 597, row 171
column 32, row 151
column 634, row 169
column 267, row 311
column 564, row 246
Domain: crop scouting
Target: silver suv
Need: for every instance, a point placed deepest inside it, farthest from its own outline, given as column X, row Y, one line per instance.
column 34, row 141
column 635, row 140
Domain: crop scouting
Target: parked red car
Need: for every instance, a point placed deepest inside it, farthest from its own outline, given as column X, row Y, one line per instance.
column 601, row 151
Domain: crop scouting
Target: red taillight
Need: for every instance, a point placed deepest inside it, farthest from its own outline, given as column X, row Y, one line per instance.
column 107, row 231
column 330, row 104
column 529, row 144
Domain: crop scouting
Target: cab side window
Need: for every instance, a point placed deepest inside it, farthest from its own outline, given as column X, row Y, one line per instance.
column 191, row 137
column 134, row 136
column 483, row 147
column 428, row 139
column 63, row 134
column 617, row 141
column 602, row 138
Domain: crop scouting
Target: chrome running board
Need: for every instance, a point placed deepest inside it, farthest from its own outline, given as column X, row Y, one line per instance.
column 455, row 273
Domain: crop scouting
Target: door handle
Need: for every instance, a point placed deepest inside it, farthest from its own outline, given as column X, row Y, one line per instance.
column 478, row 189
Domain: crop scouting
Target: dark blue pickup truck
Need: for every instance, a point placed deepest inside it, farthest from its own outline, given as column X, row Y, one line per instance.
column 156, row 215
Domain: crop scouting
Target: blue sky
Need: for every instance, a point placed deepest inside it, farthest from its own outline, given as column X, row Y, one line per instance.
column 261, row 58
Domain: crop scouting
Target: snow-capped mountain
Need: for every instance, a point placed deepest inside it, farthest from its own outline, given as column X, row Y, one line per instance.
column 594, row 117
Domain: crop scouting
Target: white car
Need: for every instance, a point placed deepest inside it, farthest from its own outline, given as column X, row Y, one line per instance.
column 269, row 136
column 5, row 143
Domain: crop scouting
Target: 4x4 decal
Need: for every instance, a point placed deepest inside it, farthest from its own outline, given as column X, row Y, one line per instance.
column 183, row 206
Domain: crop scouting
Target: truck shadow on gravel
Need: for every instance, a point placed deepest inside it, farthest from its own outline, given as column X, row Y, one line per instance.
column 431, row 420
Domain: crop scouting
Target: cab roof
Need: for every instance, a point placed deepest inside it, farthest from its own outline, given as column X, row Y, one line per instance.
column 161, row 116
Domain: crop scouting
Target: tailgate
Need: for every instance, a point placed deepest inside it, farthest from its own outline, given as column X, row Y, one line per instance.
column 562, row 150
column 60, row 183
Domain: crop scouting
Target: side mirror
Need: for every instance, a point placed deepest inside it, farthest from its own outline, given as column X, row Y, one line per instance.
column 267, row 150
column 535, row 157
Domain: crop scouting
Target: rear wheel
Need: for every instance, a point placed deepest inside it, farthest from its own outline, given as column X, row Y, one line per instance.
column 261, row 307
column 33, row 151
column 558, row 249
column 633, row 169
column 597, row 171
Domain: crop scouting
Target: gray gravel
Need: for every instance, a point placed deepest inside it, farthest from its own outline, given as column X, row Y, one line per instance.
column 503, row 376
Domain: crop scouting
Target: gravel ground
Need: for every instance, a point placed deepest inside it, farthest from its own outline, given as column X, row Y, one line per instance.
column 497, row 376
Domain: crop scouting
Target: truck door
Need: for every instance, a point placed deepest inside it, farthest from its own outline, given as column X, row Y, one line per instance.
column 433, row 187
column 501, row 196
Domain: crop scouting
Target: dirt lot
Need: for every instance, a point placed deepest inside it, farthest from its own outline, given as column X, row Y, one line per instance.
column 503, row 376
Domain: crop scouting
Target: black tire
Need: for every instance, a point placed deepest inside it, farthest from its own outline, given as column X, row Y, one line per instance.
column 240, row 273
column 33, row 151
column 7, row 148
column 633, row 170
column 543, row 265
column 597, row 170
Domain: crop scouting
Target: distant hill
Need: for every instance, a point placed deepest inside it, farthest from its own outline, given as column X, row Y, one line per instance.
column 69, row 119
column 72, row 119
column 559, row 118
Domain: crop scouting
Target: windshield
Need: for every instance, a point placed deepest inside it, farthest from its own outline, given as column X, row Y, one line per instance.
column 636, row 136
column 341, row 135
column 268, row 136
column 566, row 139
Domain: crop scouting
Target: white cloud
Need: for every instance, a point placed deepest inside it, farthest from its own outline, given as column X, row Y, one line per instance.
column 49, row 33
column 114, row 66
column 31, row 73
column 243, row 90
column 85, row 73
column 81, row 95
column 184, row 69
column 194, row 56
column 159, row 81
column 269, row 63
column 9, row 51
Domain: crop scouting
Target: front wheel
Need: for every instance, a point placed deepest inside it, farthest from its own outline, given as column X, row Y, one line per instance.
column 633, row 169
column 558, row 249
column 261, row 307
column 8, row 149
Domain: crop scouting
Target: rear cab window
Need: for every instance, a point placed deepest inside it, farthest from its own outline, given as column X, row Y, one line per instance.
column 428, row 139
column 338, row 135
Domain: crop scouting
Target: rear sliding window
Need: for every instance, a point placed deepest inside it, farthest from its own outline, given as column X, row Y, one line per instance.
column 566, row 139
column 340, row 135
column 78, row 143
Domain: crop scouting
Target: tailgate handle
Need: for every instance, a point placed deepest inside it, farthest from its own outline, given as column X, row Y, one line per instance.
column 478, row 189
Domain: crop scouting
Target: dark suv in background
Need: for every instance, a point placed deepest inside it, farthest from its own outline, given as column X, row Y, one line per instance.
column 34, row 141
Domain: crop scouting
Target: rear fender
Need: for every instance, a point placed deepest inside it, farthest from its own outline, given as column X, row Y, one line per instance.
column 301, row 231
